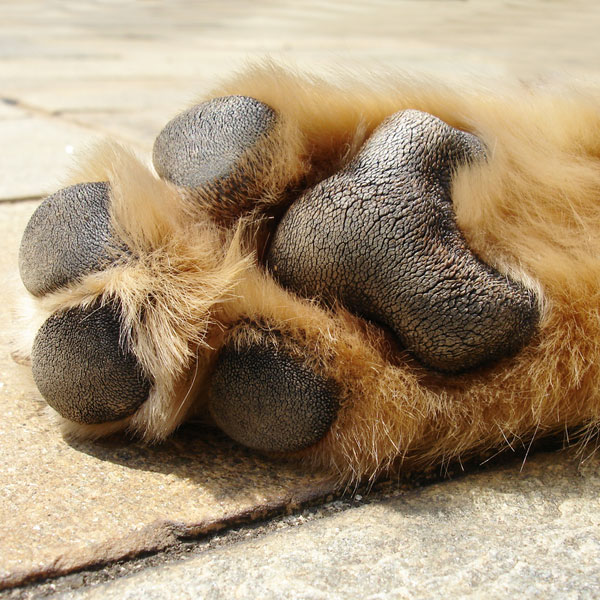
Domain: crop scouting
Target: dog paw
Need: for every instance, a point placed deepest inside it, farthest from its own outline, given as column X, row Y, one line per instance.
column 379, row 237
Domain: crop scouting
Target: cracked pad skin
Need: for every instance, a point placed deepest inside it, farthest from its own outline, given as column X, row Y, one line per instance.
column 374, row 186
column 381, row 237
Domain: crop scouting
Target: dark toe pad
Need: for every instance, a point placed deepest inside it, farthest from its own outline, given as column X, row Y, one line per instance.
column 203, row 145
column 68, row 236
column 82, row 370
column 267, row 400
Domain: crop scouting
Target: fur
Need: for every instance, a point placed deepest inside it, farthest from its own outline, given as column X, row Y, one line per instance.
column 531, row 211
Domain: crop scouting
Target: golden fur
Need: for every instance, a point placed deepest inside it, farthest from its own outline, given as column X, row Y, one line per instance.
column 531, row 211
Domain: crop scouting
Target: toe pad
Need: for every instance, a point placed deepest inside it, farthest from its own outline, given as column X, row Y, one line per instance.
column 266, row 399
column 82, row 370
column 68, row 236
column 202, row 145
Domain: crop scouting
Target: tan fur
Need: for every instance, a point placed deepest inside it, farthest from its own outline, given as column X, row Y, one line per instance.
column 532, row 211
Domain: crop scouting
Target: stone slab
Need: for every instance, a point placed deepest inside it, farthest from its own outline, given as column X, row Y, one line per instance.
column 36, row 152
column 500, row 534
column 65, row 505
column 91, row 41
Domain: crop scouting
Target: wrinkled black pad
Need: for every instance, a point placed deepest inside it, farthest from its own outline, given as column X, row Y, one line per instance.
column 381, row 236
column 204, row 144
column 68, row 236
column 82, row 369
column 265, row 399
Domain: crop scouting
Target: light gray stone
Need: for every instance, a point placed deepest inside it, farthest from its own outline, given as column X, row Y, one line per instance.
column 9, row 111
column 500, row 534
column 36, row 152
column 109, row 42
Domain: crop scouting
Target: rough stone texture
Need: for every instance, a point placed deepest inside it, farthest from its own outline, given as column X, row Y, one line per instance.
column 500, row 534
column 66, row 505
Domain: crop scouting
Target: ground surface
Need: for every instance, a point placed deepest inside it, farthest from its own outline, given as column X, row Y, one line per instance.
column 128, row 521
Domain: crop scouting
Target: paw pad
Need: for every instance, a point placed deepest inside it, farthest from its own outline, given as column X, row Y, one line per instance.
column 265, row 399
column 380, row 236
column 203, row 145
column 82, row 368
column 68, row 236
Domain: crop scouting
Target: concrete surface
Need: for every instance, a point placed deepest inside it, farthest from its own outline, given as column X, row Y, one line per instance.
column 73, row 71
column 500, row 534
column 51, row 145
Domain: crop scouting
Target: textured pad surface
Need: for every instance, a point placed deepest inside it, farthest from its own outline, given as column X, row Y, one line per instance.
column 265, row 399
column 381, row 237
column 67, row 237
column 82, row 370
column 203, row 145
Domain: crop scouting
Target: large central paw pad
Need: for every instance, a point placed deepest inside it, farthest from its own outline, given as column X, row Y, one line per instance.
column 381, row 237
